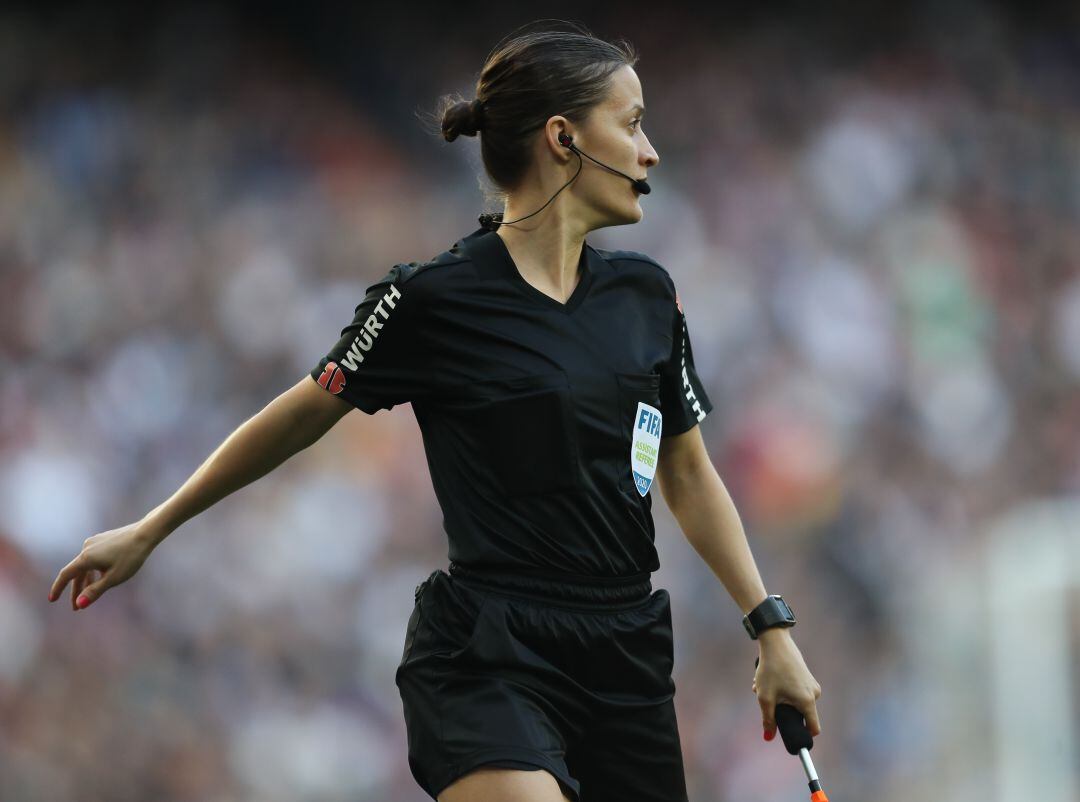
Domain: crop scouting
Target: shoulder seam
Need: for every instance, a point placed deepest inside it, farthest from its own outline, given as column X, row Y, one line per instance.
column 419, row 267
column 630, row 256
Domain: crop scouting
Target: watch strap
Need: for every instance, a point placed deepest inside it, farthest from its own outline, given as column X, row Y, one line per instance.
column 773, row 612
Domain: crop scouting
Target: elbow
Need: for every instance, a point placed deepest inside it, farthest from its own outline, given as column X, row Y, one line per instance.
column 313, row 410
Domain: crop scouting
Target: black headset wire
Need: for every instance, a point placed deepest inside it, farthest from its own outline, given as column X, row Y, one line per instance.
column 488, row 219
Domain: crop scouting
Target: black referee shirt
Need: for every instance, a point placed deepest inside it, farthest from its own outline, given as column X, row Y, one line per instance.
column 541, row 421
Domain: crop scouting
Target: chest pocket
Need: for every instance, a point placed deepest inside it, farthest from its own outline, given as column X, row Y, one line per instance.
column 524, row 429
column 640, row 424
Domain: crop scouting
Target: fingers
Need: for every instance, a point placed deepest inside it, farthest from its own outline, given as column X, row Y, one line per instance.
column 813, row 723
column 813, row 719
column 76, row 587
column 80, row 583
column 80, row 572
column 67, row 573
column 807, row 708
column 768, row 717
column 91, row 593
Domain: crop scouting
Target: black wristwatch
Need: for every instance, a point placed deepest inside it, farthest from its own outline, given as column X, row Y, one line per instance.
column 773, row 612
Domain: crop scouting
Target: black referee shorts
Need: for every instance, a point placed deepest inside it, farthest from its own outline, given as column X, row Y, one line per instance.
column 528, row 671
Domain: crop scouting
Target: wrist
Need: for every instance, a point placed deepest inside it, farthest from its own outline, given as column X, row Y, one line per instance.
column 771, row 614
column 152, row 530
column 773, row 636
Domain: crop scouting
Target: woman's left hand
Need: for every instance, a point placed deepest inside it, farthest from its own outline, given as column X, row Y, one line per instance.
column 782, row 676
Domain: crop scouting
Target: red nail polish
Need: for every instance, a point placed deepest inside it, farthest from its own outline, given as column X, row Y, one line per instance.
column 769, row 735
column 82, row 601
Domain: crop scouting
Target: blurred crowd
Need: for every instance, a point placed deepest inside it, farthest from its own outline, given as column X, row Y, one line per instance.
column 878, row 252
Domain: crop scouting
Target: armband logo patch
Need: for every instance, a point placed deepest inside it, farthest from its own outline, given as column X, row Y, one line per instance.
column 332, row 378
column 645, row 447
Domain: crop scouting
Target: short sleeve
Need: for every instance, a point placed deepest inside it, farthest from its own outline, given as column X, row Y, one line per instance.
column 683, row 400
column 378, row 362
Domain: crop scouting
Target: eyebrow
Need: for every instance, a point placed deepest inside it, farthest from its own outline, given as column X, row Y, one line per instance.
column 638, row 108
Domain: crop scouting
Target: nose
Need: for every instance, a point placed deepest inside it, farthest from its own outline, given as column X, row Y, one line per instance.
column 649, row 157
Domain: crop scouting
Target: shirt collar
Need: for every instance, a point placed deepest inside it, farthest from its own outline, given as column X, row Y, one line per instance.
column 487, row 250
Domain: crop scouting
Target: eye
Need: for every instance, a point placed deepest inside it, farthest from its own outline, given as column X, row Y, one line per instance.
column 635, row 122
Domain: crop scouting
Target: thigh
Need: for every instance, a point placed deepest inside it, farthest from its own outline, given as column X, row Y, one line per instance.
column 633, row 752
column 492, row 783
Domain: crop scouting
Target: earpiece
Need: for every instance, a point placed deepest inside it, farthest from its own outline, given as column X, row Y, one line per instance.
column 565, row 139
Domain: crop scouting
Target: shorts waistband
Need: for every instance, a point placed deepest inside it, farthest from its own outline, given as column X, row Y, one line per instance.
column 590, row 591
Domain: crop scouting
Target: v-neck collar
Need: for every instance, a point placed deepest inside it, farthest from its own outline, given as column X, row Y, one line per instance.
column 488, row 249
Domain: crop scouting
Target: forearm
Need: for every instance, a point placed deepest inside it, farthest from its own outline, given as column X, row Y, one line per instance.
column 707, row 516
column 254, row 449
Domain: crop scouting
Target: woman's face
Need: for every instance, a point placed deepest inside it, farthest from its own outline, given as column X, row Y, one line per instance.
column 612, row 134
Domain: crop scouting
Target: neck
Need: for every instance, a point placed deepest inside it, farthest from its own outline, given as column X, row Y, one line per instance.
column 547, row 247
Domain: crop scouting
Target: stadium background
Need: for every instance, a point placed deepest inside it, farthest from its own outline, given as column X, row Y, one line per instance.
column 872, row 217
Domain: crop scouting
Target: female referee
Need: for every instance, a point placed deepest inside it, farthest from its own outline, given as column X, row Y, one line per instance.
column 552, row 382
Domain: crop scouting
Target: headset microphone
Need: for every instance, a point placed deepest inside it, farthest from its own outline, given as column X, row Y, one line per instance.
column 492, row 220
column 639, row 183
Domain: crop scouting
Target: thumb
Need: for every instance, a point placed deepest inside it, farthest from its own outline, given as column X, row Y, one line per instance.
column 768, row 718
column 91, row 593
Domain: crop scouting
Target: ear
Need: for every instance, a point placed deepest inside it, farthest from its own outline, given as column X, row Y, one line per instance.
column 552, row 128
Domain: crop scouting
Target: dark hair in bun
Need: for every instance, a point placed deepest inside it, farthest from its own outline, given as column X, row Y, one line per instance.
column 528, row 78
column 461, row 118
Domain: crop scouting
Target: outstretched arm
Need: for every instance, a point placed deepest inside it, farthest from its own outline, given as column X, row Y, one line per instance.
column 291, row 422
column 288, row 424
